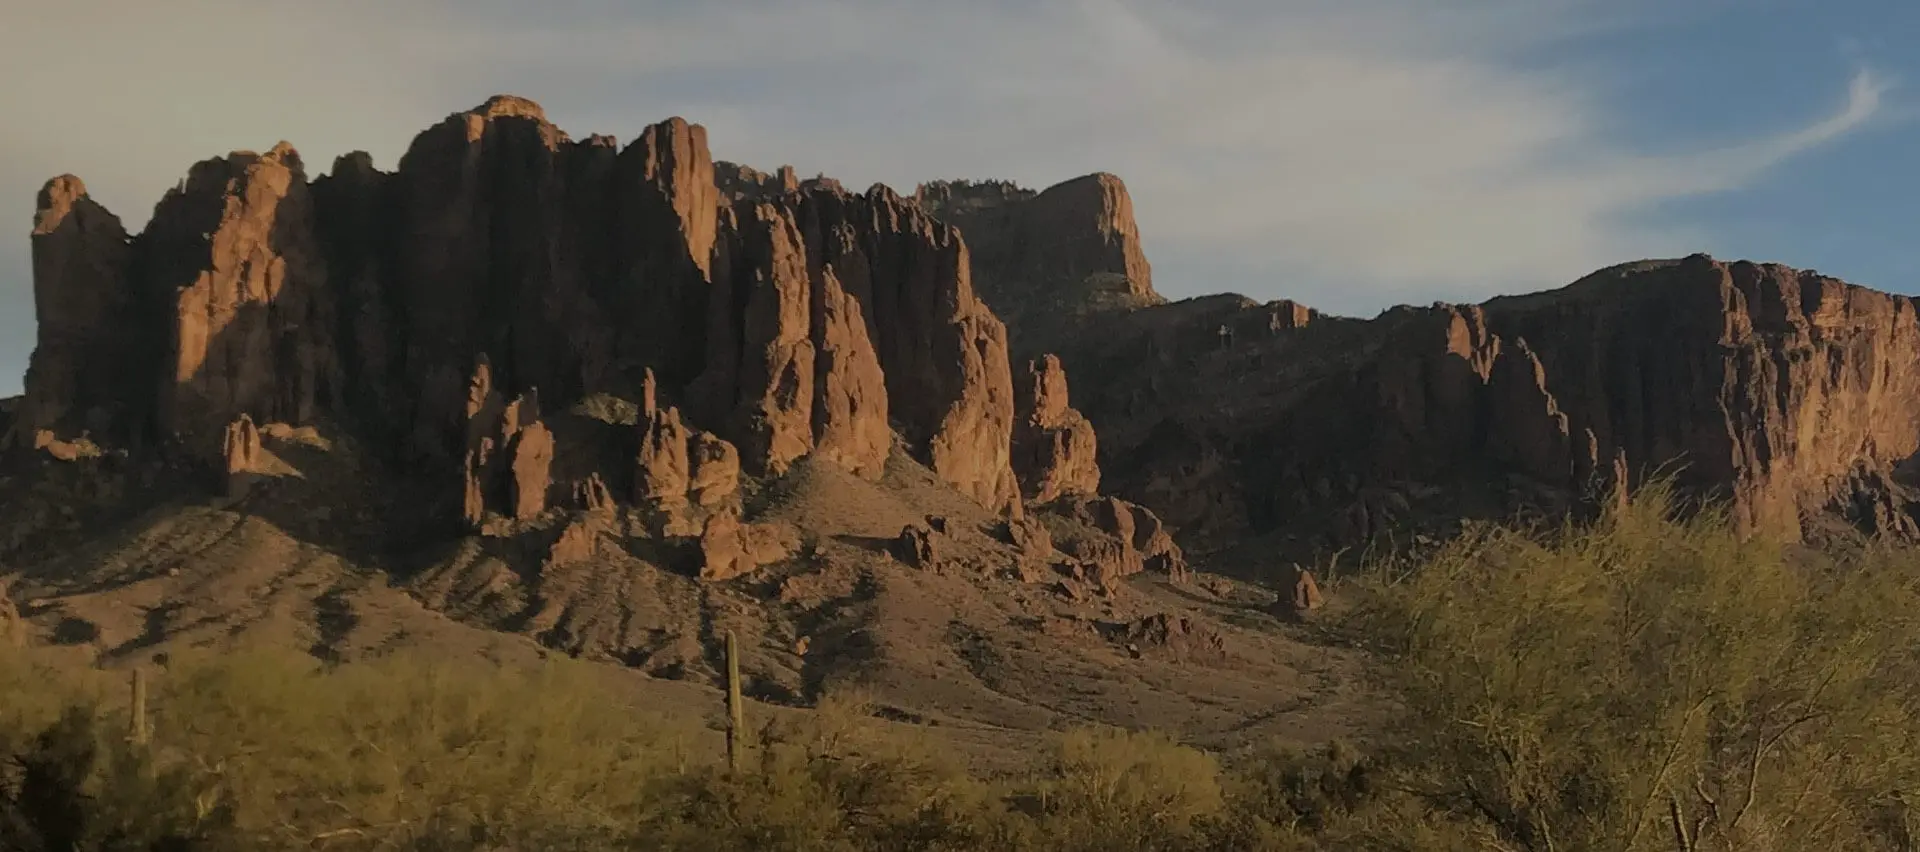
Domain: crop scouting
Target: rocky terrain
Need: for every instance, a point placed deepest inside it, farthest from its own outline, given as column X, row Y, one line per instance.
column 528, row 394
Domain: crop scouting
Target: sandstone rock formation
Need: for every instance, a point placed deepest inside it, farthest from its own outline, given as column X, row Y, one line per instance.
column 532, row 452
column 509, row 457
column 665, row 468
column 1053, row 444
column 807, row 375
column 753, row 320
column 241, row 447
column 682, row 469
column 716, row 471
column 1105, row 562
column 745, row 183
column 580, row 540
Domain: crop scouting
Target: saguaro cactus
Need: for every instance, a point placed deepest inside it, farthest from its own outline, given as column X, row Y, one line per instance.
column 736, row 725
column 137, row 724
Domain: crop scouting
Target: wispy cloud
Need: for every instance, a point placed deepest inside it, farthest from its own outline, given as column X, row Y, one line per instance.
column 1353, row 153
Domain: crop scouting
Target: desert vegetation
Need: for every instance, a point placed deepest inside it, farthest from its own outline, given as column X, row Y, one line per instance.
column 1645, row 681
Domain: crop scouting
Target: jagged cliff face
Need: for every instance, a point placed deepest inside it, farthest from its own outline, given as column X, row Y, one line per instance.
column 1790, row 395
column 454, row 311
column 504, row 272
column 1046, row 259
column 234, row 257
column 1788, row 391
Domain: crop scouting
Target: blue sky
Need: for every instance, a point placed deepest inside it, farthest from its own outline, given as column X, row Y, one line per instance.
column 1353, row 154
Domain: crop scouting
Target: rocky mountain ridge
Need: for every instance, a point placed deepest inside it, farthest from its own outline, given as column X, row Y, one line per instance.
column 457, row 314
column 1790, row 396
column 530, row 395
column 506, row 273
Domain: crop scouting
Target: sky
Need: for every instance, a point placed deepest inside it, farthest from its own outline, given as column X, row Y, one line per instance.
column 1351, row 154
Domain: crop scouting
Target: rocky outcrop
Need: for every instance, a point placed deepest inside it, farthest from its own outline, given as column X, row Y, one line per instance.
column 509, row 458
column 1054, row 446
column 681, row 469
column 593, row 495
column 716, row 471
column 943, row 354
column 916, row 546
column 745, row 183
column 1104, row 561
column 1177, row 635
column 787, row 321
column 1033, row 546
column 850, row 424
column 581, row 540
column 730, row 548
column 1301, row 598
column 806, row 376
column 1792, row 381
column 241, row 449
column 1141, row 541
column 79, row 376
column 665, row 470
column 532, row 460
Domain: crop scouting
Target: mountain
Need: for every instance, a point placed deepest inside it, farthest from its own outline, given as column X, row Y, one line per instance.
column 1788, row 396
column 528, row 394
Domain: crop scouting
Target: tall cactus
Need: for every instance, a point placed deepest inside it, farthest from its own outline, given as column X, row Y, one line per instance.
column 137, row 724
column 736, row 725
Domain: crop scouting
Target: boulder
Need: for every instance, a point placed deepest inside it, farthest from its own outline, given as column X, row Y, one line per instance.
column 916, row 547
column 1141, row 539
column 1302, row 597
column 1176, row 635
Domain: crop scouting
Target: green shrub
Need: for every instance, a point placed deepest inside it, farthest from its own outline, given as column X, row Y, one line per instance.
column 1652, row 683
